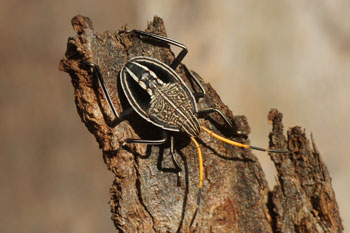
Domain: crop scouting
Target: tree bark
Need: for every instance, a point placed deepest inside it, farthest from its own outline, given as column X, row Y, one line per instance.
column 148, row 196
column 303, row 199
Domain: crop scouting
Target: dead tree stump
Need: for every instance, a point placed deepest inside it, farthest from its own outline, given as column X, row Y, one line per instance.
column 147, row 196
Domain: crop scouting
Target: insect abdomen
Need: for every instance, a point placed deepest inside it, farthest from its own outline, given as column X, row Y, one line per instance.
column 145, row 77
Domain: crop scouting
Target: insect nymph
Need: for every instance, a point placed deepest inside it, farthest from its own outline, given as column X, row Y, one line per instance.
column 159, row 95
column 169, row 105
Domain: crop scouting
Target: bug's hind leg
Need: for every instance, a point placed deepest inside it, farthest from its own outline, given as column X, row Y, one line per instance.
column 176, row 164
column 176, row 168
column 178, row 58
column 205, row 112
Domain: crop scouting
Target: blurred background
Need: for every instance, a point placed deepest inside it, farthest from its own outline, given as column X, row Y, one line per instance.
column 290, row 55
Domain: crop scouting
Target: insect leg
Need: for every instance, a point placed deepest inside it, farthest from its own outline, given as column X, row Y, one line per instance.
column 177, row 167
column 193, row 81
column 98, row 73
column 178, row 58
column 123, row 115
column 147, row 141
column 210, row 110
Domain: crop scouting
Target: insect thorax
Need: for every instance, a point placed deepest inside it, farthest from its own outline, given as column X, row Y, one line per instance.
column 173, row 107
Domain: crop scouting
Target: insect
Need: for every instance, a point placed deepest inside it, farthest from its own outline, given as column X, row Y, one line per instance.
column 159, row 95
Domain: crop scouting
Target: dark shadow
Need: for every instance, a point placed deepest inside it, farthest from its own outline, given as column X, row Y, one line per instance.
column 184, row 204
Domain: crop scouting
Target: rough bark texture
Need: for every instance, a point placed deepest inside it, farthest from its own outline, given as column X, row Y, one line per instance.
column 147, row 197
column 303, row 199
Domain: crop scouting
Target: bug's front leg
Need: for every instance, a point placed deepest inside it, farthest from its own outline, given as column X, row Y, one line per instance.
column 205, row 112
column 153, row 142
column 176, row 168
column 194, row 81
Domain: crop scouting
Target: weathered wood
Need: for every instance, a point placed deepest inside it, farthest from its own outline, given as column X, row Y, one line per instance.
column 303, row 199
column 145, row 196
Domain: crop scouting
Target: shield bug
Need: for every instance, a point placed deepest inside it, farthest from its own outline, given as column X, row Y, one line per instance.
column 159, row 95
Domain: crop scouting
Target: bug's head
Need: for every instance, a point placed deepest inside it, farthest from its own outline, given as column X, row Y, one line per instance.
column 191, row 126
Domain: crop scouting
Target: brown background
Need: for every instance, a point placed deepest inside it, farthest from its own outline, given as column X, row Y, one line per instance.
column 291, row 55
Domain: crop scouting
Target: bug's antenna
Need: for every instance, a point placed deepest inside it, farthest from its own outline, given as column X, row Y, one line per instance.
column 238, row 144
column 200, row 161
